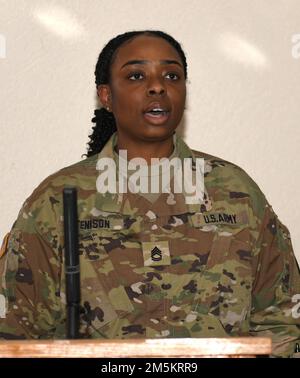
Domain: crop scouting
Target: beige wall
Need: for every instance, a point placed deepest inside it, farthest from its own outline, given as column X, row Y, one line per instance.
column 244, row 89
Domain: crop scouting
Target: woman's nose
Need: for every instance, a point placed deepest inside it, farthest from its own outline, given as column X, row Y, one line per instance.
column 155, row 88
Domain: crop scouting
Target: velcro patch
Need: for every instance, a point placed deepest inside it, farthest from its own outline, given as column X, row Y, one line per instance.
column 110, row 223
column 156, row 253
column 209, row 218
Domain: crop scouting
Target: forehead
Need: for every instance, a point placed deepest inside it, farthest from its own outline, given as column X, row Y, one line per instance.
column 145, row 47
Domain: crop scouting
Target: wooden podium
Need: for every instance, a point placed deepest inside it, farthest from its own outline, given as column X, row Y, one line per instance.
column 135, row 348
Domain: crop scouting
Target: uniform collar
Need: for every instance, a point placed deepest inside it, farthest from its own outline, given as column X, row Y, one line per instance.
column 134, row 204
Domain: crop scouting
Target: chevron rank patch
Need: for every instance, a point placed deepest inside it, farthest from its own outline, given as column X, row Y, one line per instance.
column 156, row 253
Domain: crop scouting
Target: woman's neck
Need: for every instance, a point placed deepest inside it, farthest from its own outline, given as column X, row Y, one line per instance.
column 145, row 149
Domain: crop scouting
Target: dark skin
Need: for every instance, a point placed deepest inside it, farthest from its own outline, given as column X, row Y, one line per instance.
column 156, row 77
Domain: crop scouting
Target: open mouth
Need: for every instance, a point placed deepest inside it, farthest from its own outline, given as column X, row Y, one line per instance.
column 157, row 112
column 157, row 115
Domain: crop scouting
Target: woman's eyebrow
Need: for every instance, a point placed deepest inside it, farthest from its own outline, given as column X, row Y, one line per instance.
column 165, row 61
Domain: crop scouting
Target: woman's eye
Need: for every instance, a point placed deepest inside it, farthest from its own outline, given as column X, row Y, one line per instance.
column 172, row 76
column 135, row 76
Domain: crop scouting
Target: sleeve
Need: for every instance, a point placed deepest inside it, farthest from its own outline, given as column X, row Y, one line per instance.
column 275, row 308
column 30, row 306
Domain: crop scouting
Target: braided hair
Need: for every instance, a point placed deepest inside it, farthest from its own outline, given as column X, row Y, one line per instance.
column 105, row 124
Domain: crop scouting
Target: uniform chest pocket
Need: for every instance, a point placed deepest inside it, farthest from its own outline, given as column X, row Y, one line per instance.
column 189, row 246
column 104, row 297
column 229, row 237
column 210, row 256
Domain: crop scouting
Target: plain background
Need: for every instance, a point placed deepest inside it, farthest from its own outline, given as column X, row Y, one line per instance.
column 243, row 89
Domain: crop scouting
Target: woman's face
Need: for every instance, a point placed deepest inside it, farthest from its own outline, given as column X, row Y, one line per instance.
column 146, row 74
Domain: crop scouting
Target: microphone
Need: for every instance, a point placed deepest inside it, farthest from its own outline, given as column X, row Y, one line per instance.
column 72, row 269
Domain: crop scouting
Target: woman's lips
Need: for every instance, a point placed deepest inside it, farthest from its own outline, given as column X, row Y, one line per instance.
column 157, row 119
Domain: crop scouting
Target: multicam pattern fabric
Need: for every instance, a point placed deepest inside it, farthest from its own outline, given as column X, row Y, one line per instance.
column 165, row 269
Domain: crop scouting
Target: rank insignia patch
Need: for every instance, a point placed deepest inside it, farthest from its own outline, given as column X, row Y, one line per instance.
column 156, row 253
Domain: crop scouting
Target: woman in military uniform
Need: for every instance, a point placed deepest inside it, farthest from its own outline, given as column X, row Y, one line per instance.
column 152, row 265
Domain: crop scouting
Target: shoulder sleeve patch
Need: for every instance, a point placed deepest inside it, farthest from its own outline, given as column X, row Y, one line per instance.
column 4, row 245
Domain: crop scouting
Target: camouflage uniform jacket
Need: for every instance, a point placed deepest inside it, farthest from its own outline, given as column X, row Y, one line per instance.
column 165, row 269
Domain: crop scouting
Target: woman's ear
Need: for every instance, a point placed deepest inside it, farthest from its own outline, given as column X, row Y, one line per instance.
column 104, row 94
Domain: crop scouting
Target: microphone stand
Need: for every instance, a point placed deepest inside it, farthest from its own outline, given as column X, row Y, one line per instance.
column 72, row 269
